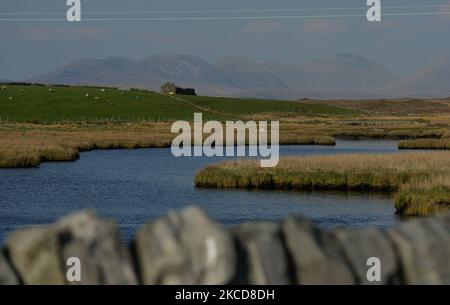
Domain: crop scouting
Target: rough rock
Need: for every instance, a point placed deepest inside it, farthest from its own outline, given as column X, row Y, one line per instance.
column 358, row 245
column 40, row 254
column 316, row 257
column 263, row 257
column 34, row 253
column 189, row 248
column 96, row 242
column 185, row 248
column 7, row 274
column 424, row 249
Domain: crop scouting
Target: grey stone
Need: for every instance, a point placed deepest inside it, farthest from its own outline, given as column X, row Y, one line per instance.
column 7, row 274
column 424, row 249
column 189, row 248
column 316, row 257
column 358, row 245
column 40, row 254
column 185, row 248
column 96, row 242
column 264, row 256
column 35, row 254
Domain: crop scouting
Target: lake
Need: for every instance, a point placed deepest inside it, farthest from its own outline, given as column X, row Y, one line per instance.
column 134, row 187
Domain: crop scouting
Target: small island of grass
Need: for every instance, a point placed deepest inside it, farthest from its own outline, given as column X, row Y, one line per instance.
column 420, row 181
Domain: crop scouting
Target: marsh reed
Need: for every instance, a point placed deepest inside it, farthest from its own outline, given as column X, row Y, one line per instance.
column 411, row 175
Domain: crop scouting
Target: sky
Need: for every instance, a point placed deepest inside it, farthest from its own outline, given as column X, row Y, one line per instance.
column 35, row 37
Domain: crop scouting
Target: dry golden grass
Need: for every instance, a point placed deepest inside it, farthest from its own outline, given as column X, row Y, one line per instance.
column 422, row 197
column 426, row 144
column 386, row 172
column 397, row 107
column 28, row 146
column 411, row 161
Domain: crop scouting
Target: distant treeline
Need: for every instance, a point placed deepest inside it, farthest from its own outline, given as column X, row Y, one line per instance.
column 22, row 84
column 15, row 83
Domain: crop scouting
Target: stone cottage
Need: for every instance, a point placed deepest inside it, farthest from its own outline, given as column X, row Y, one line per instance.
column 172, row 89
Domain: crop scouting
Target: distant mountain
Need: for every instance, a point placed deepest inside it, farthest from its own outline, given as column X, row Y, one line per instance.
column 344, row 74
column 340, row 75
column 433, row 80
column 109, row 71
column 151, row 73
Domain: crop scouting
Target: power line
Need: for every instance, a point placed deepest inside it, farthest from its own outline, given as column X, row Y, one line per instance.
column 225, row 11
column 220, row 18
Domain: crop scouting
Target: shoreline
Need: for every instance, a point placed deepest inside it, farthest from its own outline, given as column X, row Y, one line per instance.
column 29, row 145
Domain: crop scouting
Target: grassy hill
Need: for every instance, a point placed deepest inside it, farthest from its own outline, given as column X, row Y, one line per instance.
column 51, row 104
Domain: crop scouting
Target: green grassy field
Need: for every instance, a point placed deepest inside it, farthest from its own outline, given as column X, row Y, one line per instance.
column 37, row 103
column 238, row 107
column 52, row 104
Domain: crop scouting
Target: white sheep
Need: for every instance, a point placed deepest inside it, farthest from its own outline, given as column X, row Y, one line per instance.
column 10, row 98
column 50, row 90
column 86, row 95
column 96, row 98
column 3, row 88
column 103, row 90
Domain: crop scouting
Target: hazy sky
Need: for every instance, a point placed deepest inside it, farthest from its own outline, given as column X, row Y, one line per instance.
column 402, row 43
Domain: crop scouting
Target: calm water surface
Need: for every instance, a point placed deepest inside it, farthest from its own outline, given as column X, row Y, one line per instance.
column 136, row 186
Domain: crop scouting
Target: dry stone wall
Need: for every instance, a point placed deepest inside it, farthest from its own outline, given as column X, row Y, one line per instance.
column 190, row 248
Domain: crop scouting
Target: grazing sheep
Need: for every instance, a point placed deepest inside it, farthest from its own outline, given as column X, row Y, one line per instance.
column 10, row 98
column 86, row 95
column 50, row 90
column 96, row 98
column 3, row 88
column 123, row 93
column 103, row 90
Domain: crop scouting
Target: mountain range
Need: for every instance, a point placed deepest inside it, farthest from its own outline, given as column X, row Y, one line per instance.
column 341, row 75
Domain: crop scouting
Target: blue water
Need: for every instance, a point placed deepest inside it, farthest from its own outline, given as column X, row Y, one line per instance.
column 135, row 186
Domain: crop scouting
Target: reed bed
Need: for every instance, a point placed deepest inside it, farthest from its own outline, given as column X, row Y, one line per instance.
column 28, row 145
column 405, row 173
column 438, row 144
column 294, row 139
column 422, row 197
